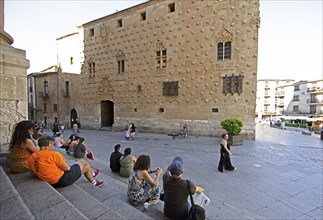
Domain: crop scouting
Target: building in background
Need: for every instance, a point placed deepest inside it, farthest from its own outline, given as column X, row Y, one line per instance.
column 277, row 97
column 161, row 64
column 53, row 93
column 307, row 98
column 271, row 97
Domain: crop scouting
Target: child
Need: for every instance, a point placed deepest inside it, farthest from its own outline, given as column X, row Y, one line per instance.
column 127, row 133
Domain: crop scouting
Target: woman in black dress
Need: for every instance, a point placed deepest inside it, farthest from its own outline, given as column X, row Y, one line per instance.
column 225, row 155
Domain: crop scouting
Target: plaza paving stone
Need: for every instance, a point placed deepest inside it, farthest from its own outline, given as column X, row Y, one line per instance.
column 279, row 175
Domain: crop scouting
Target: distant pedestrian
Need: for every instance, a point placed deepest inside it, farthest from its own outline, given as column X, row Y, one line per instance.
column 78, row 125
column 74, row 127
column 126, row 133
column 225, row 152
column 62, row 128
column 132, row 131
column 55, row 128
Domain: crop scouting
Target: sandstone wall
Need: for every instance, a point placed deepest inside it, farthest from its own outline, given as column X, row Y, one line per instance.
column 13, row 89
column 190, row 35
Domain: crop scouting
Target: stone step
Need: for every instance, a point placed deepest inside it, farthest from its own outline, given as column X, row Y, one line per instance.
column 87, row 204
column 113, row 196
column 42, row 200
column 115, row 190
column 155, row 211
column 12, row 206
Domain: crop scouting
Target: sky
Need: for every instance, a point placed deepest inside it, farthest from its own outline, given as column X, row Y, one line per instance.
column 290, row 34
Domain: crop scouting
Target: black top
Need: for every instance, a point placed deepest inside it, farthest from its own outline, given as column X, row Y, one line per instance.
column 175, row 197
column 114, row 161
column 133, row 128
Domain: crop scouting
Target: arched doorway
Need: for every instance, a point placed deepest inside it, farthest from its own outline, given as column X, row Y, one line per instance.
column 73, row 117
column 107, row 114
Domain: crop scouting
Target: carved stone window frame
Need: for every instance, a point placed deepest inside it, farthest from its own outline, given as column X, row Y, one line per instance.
column 121, row 61
column 224, row 45
column 232, row 83
column 170, row 88
column 161, row 56
column 91, row 68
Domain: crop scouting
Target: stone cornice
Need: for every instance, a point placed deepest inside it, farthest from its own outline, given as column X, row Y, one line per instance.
column 5, row 37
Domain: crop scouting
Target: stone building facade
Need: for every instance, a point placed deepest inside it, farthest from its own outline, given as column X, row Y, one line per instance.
column 53, row 93
column 164, row 63
column 13, row 85
column 53, row 96
column 306, row 98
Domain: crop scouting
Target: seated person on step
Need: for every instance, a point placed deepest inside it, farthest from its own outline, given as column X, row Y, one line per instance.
column 80, row 150
column 176, row 195
column 115, row 158
column 127, row 162
column 142, row 188
column 52, row 167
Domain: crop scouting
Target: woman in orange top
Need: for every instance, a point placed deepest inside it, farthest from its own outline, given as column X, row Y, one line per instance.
column 21, row 146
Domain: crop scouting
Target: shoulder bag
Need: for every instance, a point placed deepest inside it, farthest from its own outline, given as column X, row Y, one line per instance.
column 196, row 212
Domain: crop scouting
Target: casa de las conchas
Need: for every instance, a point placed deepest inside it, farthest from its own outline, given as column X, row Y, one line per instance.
column 161, row 64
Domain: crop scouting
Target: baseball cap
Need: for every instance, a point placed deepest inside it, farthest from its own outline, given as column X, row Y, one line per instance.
column 176, row 167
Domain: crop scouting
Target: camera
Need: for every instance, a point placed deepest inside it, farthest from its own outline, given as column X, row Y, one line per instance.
column 153, row 171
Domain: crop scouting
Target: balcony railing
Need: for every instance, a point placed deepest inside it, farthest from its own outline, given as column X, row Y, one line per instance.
column 281, row 93
column 43, row 95
column 314, row 90
column 66, row 93
column 315, row 101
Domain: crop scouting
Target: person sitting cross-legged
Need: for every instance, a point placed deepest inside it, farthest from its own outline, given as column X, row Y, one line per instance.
column 52, row 167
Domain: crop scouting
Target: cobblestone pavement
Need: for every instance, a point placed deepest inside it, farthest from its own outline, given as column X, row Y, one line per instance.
column 279, row 174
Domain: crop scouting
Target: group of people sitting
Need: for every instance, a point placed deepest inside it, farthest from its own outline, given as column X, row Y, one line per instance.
column 122, row 163
column 143, row 183
column 74, row 146
column 48, row 165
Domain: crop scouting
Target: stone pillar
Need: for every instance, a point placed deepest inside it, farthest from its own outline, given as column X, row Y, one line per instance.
column 13, row 84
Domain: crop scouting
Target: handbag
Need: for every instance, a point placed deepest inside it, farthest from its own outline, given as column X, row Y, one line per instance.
column 196, row 212
column 162, row 196
column 90, row 155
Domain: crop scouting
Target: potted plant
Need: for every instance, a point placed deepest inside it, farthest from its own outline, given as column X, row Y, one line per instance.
column 233, row 126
